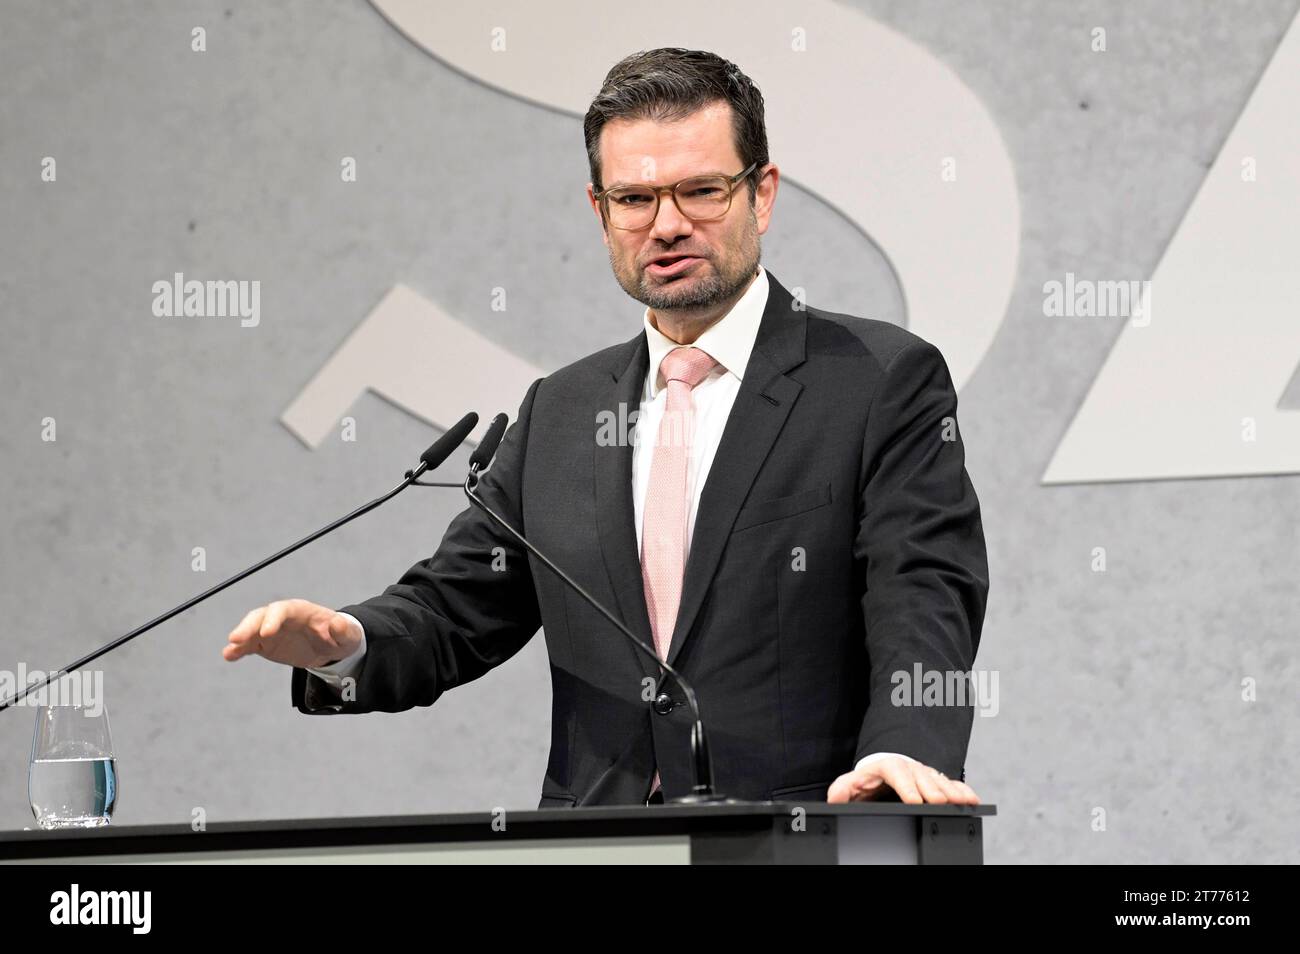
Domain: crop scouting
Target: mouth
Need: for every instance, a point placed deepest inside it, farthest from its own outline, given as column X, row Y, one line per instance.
column 672, row 264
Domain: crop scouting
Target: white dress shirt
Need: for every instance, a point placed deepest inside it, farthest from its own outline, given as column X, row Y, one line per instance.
column 730, row 340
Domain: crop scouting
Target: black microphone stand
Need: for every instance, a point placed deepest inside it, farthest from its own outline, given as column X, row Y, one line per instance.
column 702, row 791
column 440, row 451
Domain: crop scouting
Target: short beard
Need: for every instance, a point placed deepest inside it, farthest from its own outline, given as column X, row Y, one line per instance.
column 699, row 294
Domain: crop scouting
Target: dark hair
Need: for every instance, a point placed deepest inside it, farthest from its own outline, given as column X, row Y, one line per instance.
column 670, row 84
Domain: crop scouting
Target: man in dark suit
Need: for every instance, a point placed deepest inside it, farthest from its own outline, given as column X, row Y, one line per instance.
column 773, row 496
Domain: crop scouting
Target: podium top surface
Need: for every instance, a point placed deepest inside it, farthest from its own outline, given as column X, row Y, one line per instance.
column 604, row 821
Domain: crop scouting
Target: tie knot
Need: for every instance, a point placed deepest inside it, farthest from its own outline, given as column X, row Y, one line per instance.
column 688, row 365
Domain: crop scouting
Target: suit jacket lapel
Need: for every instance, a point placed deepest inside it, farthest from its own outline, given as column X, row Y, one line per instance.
column 762, row 405
column 621, row 396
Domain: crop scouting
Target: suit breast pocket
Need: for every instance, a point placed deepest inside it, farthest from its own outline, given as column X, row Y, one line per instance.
column 765, row 511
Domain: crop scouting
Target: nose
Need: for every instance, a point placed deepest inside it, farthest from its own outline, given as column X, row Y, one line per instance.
column 669, row 224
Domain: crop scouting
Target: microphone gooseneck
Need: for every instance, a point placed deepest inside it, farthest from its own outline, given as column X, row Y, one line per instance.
column 702, row 789
column 431, row 458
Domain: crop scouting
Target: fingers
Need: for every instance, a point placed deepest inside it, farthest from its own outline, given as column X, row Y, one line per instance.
column 288, row 631
column 936, row 787
column 337, row 631
column 275, row 615
column 244, row 638
column 968, row 794
column 928, row 784
column 914, row 782
column 854, row 787
column 261, row 624
column 898, row 776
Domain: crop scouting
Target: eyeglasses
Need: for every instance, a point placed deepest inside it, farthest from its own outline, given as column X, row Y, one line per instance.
column 699, row 198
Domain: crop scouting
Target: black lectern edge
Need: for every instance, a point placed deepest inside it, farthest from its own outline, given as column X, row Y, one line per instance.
column 628, row 821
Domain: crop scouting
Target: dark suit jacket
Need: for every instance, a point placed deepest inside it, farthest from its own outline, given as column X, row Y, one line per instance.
column 838, row 541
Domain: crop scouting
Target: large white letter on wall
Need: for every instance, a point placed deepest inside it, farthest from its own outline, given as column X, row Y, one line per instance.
column 1196, row 392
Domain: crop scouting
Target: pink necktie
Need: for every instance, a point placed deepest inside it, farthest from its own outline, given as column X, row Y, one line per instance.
column 663, row 534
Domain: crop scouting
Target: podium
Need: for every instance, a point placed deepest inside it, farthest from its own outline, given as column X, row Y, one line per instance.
column 770, row 833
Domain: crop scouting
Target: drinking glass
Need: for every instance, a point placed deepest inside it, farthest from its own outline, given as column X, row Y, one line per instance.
column 72, row 779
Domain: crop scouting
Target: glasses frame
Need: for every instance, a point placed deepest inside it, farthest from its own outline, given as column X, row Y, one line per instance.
column 603, row 198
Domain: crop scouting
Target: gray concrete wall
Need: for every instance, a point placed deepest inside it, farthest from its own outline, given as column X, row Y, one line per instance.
column 1119, row 691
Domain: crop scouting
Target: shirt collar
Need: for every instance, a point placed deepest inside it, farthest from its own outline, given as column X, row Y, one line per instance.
column 730, row 339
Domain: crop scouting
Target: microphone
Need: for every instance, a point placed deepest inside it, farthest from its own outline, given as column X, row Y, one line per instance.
column 442, row 448
column 490, row 440
column 431, row 458
column 702, row 790
column 487, row 448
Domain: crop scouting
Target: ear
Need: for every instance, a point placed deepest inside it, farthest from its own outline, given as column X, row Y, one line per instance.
column 765, row 196
column 595, row 207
